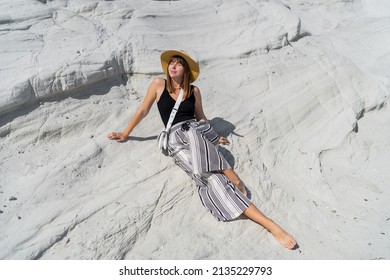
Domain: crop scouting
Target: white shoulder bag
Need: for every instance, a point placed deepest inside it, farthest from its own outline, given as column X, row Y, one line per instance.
column 162, row 138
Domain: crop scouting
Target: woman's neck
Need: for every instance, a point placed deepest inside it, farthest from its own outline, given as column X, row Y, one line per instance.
column 176, row 83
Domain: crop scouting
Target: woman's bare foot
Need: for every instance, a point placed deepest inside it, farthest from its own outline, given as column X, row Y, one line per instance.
column 279, row 234
column 283, row 237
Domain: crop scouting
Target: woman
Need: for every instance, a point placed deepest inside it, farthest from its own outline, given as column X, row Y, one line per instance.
column 193, row 144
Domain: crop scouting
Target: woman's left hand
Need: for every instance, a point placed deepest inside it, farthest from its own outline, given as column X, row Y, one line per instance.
column 119, row 137
column 223, row 140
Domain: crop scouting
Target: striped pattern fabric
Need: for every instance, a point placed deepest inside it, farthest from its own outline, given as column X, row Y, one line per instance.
column 195, row 151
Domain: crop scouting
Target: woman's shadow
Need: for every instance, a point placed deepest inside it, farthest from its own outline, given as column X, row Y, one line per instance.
column 225, row 128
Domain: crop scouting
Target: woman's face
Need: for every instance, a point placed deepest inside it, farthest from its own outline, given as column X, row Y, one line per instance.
column 176, row 69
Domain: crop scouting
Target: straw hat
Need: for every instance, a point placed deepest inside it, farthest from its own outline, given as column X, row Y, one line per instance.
column 194, row 67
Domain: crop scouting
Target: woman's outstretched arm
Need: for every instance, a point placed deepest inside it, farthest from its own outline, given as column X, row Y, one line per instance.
column 142, row 111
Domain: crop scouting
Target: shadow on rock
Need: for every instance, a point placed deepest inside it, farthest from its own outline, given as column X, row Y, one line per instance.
column 83, row 92
column 223, row 127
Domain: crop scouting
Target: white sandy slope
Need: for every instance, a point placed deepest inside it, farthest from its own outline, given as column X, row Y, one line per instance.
column 300, row 87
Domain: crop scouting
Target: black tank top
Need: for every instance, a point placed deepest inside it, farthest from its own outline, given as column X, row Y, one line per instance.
column 166, row 103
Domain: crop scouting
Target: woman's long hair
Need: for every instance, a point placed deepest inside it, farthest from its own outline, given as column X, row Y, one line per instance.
column 186, row 79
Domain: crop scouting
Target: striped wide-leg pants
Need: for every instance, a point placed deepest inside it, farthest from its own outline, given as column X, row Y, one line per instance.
column 194, row 147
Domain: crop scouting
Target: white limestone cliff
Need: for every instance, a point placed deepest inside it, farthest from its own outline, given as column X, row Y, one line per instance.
column 300, row 87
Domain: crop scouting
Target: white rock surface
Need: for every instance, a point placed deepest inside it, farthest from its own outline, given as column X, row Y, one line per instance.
column 300, row 87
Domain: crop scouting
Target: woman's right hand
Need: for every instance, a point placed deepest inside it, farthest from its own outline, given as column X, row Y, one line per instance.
column 118, row 136
column 223, row 140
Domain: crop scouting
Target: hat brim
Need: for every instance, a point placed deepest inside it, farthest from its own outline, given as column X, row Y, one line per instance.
column 194, row 67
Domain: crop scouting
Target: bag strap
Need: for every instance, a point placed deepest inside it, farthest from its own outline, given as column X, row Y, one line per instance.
column 174, row 110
